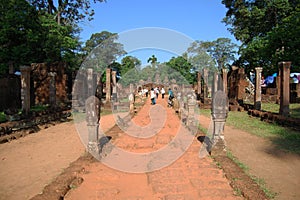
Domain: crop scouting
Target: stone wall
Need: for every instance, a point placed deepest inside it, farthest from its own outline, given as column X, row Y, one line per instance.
column 10, row 92
column 40, row 81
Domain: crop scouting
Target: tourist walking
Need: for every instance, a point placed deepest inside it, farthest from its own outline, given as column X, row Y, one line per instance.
column 162, row 93
column 152, row 96
column 156, row 90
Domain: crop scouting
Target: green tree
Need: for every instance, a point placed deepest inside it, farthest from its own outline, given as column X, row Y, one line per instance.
column 180, row 68
column 268, row 30
column 152, row 60
column 221, row 50
column 129, row 63
column 102, row 49
column 66, row 11
column 19, row 34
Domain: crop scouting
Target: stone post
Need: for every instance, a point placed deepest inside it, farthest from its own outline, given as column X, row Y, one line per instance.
column 278, row 78
column 215, row 85
column 191, row 104
column 25, row 88
column 219, row 115
column 205, row 86
column 284, row 68
column 114, row 85
column 52, row 89
column 90, row 82
column 257, row 93
column 198, row 84
column 108, row 85
column 241, row 86
column 131, row 102
column 92, row 107
column 130, row 88
column 225, row 84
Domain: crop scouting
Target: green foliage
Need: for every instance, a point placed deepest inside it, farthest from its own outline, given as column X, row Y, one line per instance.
column 269, row 31
column 29, row 36
column 180, row 69
column 101, row 50
column 66, row 11
column 129, row 63
column 206, row 54
column 19, row 33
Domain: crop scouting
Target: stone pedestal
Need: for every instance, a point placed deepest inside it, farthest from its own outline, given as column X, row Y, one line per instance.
column 219, row 115
column 25, row 88
column 92, row 107
column 284, row 68
column 108, row 85
column 52, row 89
column 257, row 92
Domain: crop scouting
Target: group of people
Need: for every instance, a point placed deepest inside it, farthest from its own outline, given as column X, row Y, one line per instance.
column 154, row 94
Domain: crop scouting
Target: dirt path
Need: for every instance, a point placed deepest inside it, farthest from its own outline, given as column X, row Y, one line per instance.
column 280, row 170
column 31, row 162
column 189, row 177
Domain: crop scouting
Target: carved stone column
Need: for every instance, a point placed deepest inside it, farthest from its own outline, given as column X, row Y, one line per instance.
column 25, row 88
column 108, row 85
column 257, row 93
column 284, row 68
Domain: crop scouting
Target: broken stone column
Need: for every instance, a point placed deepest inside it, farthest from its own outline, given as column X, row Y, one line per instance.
column 191, row 104
column 25, row 88
column 199, row 84
column 257, row 93
column 92, row 107
column 284, row 68
column 52, row 89
column 108, row 85
column 90, row 82
column 131, row 102
column 224, row 77
column 205, row 86
column 219, row 115
column 114, row 85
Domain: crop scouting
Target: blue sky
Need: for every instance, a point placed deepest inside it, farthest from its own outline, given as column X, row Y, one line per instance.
column 195, row 19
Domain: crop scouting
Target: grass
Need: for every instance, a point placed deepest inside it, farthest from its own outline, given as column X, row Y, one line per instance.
column 285, row 138
column 272, row 107
column 38, row 108
column 261, row 182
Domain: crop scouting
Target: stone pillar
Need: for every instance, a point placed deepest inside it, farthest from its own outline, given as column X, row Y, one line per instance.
column 52, row 89
column 92, row 107
column 225, row 84
column 241, row 85
column 114, row 85
column 215, row 85
column 278, row 78
column 25, row 88
column 198, row 84
column 219, row 115
column 257, row 93
column 131, row 102
column 108, row 85
column 90, row 82
column 205, row 86
column 191, row 111
column 284, row 68
column 130, row 88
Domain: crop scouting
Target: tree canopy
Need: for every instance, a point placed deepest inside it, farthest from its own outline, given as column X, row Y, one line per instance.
column 269, row 31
